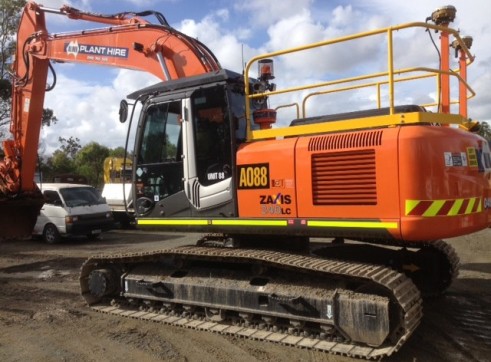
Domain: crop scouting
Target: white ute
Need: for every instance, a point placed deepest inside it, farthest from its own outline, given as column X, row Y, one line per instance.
column 72, row 209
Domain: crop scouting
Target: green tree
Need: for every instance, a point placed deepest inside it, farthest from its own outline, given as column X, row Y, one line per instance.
column 90, row 162
column 49, row 117
column 70, row 146
column 117, row 152
column 9, row 22
column 60, row 163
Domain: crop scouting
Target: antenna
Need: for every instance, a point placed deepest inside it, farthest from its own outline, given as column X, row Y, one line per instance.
column 243, row 62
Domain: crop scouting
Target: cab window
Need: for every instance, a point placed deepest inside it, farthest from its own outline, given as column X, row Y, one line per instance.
column 162, row 133
column 212, row 135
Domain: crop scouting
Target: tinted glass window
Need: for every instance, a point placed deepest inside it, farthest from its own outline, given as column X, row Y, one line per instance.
column 52, row 197
column 81, row 196
column 161, row 134
column 211, row 125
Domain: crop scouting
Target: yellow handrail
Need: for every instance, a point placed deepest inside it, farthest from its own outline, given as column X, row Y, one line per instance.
column 378, row 84
column 389, row 74
column 290, row 105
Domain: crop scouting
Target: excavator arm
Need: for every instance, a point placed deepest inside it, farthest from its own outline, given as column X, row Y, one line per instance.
column 129, row 42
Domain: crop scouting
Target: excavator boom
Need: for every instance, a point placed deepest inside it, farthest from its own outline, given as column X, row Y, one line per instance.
column 129, row 42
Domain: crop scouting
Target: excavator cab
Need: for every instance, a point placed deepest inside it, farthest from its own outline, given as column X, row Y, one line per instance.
column 188, row 134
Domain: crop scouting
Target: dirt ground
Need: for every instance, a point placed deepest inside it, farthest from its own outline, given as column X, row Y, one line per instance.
column 43, row 317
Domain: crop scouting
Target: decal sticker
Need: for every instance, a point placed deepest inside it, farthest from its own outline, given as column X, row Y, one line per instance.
column 274, row 204
column 486, row 156
column 282, row 183
column 27, row 104
column 278, row 199
column 277, row 183
column 212, row 176
column 254, row 176
column 289, row 184
column 472, row 156
column 329, row 313
column 455, row 159
column 433, row 208
column 96, row 52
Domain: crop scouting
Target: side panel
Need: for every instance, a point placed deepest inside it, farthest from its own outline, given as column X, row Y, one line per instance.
column 349, row 175
column 348, row 184
column 412, row 183
column 445, row 186
column 266, row 179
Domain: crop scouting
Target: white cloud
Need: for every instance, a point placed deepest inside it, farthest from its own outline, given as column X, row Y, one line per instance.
column 225, row 45
column 265, row 13
column 56, row 4
column 89, row 110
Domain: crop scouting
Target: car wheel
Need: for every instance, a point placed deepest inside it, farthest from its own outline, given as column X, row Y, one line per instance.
column 51, row 235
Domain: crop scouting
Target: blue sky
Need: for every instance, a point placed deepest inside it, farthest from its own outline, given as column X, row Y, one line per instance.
column 86, row 98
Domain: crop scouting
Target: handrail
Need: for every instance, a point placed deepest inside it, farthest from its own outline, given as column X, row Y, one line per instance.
column 390, row 74
column 290, row 105
column 377, row 84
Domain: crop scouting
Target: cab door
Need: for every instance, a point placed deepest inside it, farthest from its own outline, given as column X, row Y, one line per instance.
column 159, row 169
column 208, row 151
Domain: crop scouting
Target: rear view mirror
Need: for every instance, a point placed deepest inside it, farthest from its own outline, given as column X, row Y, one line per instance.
column 123, row 111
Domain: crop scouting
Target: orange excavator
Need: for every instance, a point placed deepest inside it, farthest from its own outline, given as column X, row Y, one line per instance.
column 323, row 233
column 130, row 42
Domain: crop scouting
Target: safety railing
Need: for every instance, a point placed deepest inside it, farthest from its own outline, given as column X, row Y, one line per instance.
column 387, row 78
column 378, row 85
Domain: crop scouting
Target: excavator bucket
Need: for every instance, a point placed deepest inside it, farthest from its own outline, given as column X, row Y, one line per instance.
column 18, row 215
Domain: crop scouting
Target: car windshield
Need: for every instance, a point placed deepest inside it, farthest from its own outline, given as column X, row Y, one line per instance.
column 81, row 196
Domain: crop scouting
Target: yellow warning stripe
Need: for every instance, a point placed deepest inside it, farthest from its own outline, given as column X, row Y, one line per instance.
column 411, row 205
column 225, row 222
column 172, row 222
column 354, row 224
column 446, row 207
column 253, row 222
column 250, row 222
column 434, row 208
column 470, row 206
column 456, row 207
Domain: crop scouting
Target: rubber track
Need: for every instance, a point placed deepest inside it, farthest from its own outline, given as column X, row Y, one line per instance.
column 402, row 288
column 453, row 260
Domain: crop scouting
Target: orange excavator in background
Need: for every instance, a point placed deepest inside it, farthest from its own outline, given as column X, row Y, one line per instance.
column 131, row 42
column 383, row 185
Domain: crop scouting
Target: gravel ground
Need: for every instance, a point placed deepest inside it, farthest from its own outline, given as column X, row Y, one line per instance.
column 43, row 317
